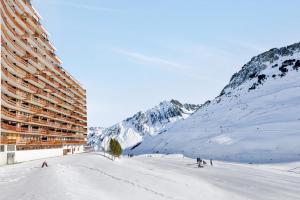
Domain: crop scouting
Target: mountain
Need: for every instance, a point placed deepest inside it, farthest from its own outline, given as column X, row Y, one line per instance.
column 94, row 134
column 256, row 117
column 131, row 131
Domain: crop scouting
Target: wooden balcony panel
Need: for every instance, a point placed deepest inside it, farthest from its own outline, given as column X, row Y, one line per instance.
column 9, row 88
column 5, row 140
column 34, row 80
column 13, row 69
column 8, row 114
column 20, row 61
column 13, row 128
column 36, row 101
column 73, row 142
column 8, row 100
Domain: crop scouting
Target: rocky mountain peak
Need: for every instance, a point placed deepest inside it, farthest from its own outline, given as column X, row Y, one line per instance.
column 151, row 122
column 261, row 62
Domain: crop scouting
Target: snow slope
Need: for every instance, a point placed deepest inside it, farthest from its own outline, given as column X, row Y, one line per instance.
column 92, row 176
column 131, row 131
column 255, row 119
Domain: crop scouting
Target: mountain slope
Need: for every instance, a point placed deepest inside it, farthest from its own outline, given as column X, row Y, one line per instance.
column 256, row 118
column 131, row 131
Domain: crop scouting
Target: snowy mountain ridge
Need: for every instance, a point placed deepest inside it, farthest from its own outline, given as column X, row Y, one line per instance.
column 274, row 57
column 256, row 118
column 132, row 130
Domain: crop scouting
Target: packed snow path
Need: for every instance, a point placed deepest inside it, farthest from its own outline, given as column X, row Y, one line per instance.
column 92, row 177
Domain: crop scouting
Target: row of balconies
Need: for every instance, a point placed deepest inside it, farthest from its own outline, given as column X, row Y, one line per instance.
column 38, row 83
column 73, row 85
column 42, row 103
column 13, row 68
column 20, row 16
column 65, row 94
column 13, row 91
column 25, row 142
column 38, row 121
column 5, row 140
column 57, row 110
column 12, row 55
column 17, row 82
column 64, row 74
column 41, row 131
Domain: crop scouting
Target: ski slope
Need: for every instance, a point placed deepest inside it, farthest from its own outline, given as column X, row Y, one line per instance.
column 92, row 176
column 255, row 119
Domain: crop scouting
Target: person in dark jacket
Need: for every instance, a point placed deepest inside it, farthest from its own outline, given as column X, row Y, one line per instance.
column 211, row 162
column 45, row 164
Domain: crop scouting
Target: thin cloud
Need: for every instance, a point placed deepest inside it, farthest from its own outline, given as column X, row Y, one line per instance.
column 183, row 69
column 152, row 60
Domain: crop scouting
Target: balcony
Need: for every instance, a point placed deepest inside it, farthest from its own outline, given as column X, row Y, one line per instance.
column 13, row 116
column 36, row 101
column 45, row 95
column 38, row 144
column 35, row 81
column 20, row 61
column 77, row 142
column 17, row 82
column 5, row 140
column 57, row 109
column 10, row 89
column 7, row 127
column 45, row 113
column 8, row 100
column 43, row 76
column 13, row 69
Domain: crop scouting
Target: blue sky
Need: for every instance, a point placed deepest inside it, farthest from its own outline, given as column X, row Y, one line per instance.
column 130, row 55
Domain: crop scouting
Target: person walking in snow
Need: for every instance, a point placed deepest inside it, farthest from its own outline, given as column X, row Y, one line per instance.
column 199, row 162
column 45, row 164
column 200, row 165
column 211, row 162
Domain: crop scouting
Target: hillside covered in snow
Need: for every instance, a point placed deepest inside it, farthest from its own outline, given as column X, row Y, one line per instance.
column 131, row 131
column 256, row 118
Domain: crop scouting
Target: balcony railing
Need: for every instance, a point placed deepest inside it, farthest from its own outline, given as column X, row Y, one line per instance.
column 19, row 81
column 5, row 140
column 8, row 100
column 13, row 128
column 30, row 77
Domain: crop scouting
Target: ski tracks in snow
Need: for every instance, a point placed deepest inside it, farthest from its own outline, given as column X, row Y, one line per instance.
column 147, row 189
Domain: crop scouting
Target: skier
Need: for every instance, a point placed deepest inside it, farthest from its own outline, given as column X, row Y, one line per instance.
column 199, row 162
column 211, row 162
column 44, row 164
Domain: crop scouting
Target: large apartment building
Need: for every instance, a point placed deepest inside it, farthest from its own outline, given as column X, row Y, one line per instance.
column 43, row 108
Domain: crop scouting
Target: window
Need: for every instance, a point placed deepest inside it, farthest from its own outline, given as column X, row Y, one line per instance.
column 11, row 147
column 1, row 148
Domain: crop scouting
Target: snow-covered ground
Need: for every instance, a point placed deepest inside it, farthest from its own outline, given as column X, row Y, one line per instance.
column 92, row 176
